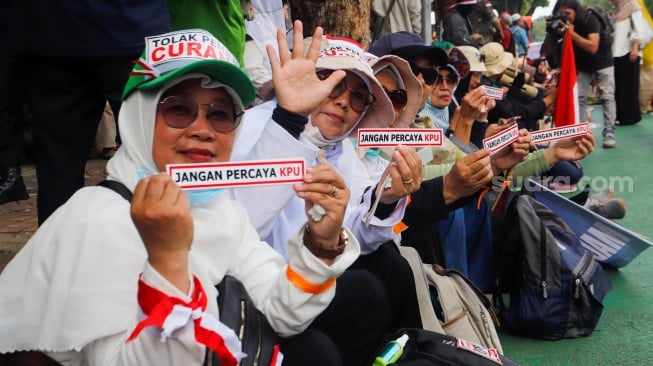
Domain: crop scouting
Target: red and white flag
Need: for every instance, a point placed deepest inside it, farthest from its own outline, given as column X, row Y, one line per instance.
column 566, row 108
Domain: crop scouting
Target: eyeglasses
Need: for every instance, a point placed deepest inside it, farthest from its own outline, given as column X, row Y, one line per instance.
column 428, row 73
column 181, row 112
column 451, row 80
column 360, row 98
column 398, row 97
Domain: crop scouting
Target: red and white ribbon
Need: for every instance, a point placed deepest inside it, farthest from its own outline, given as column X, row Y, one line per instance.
column 171, row 313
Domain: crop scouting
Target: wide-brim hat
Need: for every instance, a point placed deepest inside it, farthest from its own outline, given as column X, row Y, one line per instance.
column 170, row 55
column 407, row 46
column 411, row 84
column 474, row 58
column 338, row 53
column 496, row 58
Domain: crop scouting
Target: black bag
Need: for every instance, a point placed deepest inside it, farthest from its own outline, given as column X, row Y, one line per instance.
column 607, row 28
column 557, row 286
column 237, row 310
column 427, row 348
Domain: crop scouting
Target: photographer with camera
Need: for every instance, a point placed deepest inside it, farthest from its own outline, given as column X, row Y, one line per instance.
column 593, row 56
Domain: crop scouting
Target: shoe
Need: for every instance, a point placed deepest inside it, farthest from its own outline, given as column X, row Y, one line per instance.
column 604, row 195
column 614, row 208
column 608, row 141
column 12, row 187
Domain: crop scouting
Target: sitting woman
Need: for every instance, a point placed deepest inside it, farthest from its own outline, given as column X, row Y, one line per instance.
column 106, row 282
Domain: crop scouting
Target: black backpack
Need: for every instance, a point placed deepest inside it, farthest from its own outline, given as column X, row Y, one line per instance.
column 428, row 348
column 607, row 28
column 556, row 287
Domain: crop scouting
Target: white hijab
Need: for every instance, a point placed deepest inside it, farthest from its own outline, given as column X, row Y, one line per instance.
column 75, row 281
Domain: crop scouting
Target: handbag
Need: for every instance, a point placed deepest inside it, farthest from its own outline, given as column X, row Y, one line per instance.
column 379, row 26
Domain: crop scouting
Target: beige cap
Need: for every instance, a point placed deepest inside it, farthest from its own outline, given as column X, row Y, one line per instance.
column 474, row 57
column 496, row 59
column 346, row 54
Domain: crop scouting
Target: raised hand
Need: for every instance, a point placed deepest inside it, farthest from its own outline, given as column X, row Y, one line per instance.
column 323, row 186
column 574, row 148
column 161, row 213
column 517, row 152
column 296, row 85
column 406, row 173
column 467, row 176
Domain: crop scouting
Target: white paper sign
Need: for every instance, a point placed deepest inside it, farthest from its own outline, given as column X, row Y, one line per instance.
column 494, row 93
column 501, row 139
column 237, row 174
column 558, row 133
column 384, row 137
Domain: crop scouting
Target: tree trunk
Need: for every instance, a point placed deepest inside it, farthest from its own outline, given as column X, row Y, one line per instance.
column 339, row 18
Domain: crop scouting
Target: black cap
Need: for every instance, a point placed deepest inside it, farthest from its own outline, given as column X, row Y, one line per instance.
column 407, row 46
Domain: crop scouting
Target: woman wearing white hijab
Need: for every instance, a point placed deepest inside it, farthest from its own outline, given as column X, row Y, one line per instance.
column 86, row 289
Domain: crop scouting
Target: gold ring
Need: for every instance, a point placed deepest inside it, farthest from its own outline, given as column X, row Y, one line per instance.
column 408, row 181
column 334, row 191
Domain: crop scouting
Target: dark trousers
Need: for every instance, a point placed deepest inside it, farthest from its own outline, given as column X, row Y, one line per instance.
column 626, row 91
column 311, row 347
column 11, row 112
column 67, row 97
column 356, row 319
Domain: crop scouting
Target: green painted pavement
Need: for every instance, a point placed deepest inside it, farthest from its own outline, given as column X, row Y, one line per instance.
column 625, row 331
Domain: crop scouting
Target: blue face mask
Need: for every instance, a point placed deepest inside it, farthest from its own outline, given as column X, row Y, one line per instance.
column 196, row 197
column 372, row 152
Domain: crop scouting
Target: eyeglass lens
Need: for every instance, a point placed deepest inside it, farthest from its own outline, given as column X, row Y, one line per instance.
column 398, row 97
column 451, row 80
column 181, row 112
column 428, row 73
column 359, row 98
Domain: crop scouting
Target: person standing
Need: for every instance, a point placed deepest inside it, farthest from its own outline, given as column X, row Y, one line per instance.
column 593, row 56
column 12, row 187
column 518, row 31
column 77, row 56
column 628, row 31
column 457, row 27
column 402, row 15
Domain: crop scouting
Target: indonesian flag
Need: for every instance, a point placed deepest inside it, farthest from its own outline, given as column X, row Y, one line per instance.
column 566, row 109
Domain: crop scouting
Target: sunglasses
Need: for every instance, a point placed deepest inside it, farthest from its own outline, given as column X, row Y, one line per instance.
column 360, row 98
column 398, row 97
column 181, row 112
column 451, row 80
column 428, row 73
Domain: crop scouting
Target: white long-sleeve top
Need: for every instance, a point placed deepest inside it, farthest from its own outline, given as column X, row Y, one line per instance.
column 72, row 290
column 283, row 210
column 626, row 32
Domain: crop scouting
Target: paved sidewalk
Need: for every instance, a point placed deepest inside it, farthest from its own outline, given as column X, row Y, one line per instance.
column 18, row 219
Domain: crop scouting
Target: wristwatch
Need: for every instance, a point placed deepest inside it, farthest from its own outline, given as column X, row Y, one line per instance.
column 320, row 250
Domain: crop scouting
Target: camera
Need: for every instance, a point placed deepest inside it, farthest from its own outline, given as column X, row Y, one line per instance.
column 556, row 22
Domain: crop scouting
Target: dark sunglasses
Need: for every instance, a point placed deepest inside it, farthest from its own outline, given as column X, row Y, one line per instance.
column 428, row 73
column 398, row 97
column 359, row 97
column 181, row 112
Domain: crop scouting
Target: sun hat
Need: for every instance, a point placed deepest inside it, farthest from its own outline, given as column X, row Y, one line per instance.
column 410, row 83
column 170, row 55
column 407, row 46
column 474, row 58
column 339, row 53
column 496, row 59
